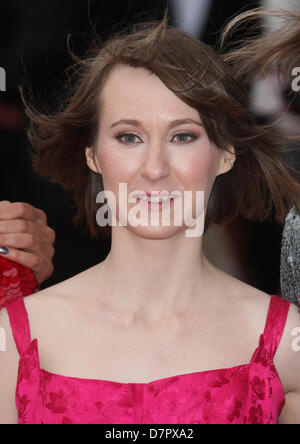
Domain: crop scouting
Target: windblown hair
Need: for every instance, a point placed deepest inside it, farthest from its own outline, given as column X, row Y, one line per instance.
column 259, row 186
column 277, row 51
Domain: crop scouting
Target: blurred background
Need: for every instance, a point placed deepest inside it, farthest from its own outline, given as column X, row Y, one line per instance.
column 33, row 42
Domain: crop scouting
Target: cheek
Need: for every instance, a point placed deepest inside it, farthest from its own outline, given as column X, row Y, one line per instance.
column 198, row 172
column 114, row 168
column 199, row 169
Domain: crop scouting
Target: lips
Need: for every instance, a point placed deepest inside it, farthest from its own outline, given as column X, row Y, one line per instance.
column 143, row 194
column 155, row 205
column 157, row 193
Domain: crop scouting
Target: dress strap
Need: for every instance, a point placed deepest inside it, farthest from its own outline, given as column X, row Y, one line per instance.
column 275, row 323
column 19, row 323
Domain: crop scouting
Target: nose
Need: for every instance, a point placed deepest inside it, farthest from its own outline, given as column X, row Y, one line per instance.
column 156, row 165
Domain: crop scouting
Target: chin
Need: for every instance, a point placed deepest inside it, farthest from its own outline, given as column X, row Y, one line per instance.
column 156, row 233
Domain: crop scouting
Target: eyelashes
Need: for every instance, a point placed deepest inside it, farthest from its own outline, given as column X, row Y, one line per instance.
column 192, row 137
column 122, row 136
column 131, row 138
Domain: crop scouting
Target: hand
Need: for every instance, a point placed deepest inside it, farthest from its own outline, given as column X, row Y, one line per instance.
column 24, row 231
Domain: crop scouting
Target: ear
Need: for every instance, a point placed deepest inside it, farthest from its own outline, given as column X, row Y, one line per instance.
column 227, row 160
column 91, row 162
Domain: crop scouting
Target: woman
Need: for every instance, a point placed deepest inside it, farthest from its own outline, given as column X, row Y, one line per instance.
column 155, row 333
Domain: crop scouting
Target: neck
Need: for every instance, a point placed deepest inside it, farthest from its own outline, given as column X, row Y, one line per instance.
column 146, row 280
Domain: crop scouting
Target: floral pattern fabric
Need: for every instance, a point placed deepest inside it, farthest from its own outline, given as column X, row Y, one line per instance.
column 245, row 394
column 15, row 280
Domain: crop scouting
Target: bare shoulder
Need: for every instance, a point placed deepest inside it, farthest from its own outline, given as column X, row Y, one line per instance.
column 244, row 301
column 287, row 357
column 46, row 304
column 253, row 305
column 49, row 312
column 66, row 292
column 56, row 305
column 287, row 363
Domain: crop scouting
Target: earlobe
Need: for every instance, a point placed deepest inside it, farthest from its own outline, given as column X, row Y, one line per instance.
column 227, row 161
column 90, row 159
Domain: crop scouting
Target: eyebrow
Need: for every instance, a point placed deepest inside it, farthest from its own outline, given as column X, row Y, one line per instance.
column 172, row 124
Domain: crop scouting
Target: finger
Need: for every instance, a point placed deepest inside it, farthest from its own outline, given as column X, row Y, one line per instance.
column 22, row 210
column 41, row 269
column 29, row 242
column 4, row 202
column 44, row 232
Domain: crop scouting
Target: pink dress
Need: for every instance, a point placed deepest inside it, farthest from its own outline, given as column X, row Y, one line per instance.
column 246, row 394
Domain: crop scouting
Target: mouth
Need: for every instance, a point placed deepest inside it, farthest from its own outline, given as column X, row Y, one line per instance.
column 155, row 202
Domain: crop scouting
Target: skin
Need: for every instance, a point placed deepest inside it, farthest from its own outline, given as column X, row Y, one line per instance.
column 155, row 307
column 24, row 231
column 157, row 161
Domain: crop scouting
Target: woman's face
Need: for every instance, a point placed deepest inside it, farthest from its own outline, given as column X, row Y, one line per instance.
column 152, row 141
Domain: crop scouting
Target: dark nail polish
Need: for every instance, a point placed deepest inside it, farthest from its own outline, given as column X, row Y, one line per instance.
column 4, row 250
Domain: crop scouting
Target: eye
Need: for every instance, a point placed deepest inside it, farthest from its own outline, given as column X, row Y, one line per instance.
column 128, row 138
column 185, row 137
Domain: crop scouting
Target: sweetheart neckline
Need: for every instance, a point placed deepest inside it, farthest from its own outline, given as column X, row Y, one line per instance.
column 197, row 373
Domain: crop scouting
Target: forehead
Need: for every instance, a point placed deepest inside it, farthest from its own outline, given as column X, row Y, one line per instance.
column 138, row 93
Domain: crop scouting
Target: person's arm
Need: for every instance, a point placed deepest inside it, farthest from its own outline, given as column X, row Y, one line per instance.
column 25, row 233
column 9, row 362
column 290, row 355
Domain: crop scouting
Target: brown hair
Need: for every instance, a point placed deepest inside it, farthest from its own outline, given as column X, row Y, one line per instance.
column 277, row 51
column 259, row 182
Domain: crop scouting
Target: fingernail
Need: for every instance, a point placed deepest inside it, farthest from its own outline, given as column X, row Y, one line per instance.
column 4, row 250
